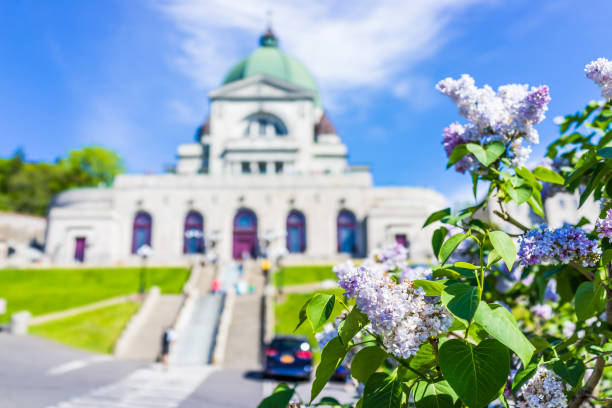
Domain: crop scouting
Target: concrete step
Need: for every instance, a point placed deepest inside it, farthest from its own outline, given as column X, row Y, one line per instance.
column 196, row 341
column 146, row 344
column 243, row 349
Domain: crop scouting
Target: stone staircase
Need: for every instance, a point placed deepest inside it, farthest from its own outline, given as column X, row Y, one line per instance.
column 146, row 343
column 243, row 348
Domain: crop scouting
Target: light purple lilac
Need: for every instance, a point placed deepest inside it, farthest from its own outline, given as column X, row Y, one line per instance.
column 600, row 72
column 563, row 245
column 507, row 115
column 604, row 226
column 400, row 313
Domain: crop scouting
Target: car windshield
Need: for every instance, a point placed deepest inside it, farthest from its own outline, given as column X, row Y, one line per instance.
column 289, row 345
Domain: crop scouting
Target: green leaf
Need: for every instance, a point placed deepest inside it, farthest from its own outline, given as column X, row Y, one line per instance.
column 571, row 371
column 382, row 391
column 302, row 316
column 500, row 324
column 354, row 322
column 462, row 300
column 548, row 175
column 476, row 373
column 606, row 152
column 434, row 395
column 366, row 362
column 475, row 185
column 457, row 154
column 589, row 301
column 450, row 245
column 332, row 356
column 523, row 375
column 504, row 246
column 492, row 258
column 319, row 309
column 466, row 265
column 431, row 288
column 280, row 398
column 437, row 239
column 478, row 152
column 493, row 151
column 606, row 258
column 437, row 216
column 328, row 401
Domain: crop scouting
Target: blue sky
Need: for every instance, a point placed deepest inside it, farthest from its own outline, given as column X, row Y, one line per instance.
column 134, row 75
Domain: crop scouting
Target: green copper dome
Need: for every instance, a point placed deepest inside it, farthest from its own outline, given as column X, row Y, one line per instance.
column 268, row 60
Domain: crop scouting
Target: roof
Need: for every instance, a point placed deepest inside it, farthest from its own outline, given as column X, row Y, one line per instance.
column 268, row 60
column 325, row 127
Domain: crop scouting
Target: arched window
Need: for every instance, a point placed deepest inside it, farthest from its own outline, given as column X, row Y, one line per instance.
column 141, row 232
column 346, row 225
column 245, row 234
column 296, row 232
column 193, row 238
column 262, row 124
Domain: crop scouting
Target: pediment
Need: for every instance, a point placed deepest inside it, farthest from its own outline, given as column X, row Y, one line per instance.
column 261, row 87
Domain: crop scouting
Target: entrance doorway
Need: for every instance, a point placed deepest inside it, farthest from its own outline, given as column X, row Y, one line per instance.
column 79, row 249
column 245, row 234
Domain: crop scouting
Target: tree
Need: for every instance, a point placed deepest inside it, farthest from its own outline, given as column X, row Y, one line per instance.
column 91, row 166
column 28, row 187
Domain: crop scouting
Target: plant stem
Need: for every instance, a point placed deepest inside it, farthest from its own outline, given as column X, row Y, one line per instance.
column 407, row 366
column 434, row 343
column 583, row 271
column 508, row 218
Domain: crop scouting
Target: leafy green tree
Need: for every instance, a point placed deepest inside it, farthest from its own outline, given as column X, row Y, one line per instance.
column 28, row 187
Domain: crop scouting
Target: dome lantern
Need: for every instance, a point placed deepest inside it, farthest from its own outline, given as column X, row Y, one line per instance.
column 268, row 39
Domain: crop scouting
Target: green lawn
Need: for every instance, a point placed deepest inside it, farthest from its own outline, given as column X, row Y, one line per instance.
column 286, row 314
column 297, row 275
column 97, row 330
column 43, row 291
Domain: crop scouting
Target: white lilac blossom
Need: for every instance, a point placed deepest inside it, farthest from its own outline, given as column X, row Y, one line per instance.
column 604, row 226
column 399, row 312
column 544, row 311
column 600, row 72
column 543, row 390
column 563, row 245
column 392, row 257
column 507, row 115
column 416, row 272
column 568, row 328
column 550, row 292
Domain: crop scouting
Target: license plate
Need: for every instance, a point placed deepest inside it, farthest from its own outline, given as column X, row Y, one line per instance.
column 287, row 359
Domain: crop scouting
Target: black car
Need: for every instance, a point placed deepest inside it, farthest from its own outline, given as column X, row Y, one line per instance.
column 288, row 356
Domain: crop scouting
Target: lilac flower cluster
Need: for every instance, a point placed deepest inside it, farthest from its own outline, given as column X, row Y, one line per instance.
column 507, row 115
column 543, row 390
column 604, row 226
column 392, row 257
column 400, row 313
column 600, row 72
column 416, row 272
column 563, row 245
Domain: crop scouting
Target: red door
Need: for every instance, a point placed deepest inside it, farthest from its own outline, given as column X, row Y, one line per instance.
column 245, row 234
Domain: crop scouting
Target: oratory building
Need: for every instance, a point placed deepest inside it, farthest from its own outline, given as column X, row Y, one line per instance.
column 267, row 171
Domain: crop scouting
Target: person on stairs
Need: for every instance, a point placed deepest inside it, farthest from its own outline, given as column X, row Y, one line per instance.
column 168, row 338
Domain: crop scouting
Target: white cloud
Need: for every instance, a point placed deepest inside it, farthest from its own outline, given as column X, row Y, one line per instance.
column 346, row 45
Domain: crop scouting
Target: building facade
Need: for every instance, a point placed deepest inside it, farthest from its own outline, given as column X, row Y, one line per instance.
column 266, row 173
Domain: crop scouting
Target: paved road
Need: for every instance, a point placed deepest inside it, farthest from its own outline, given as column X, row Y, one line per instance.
column 36, row 373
